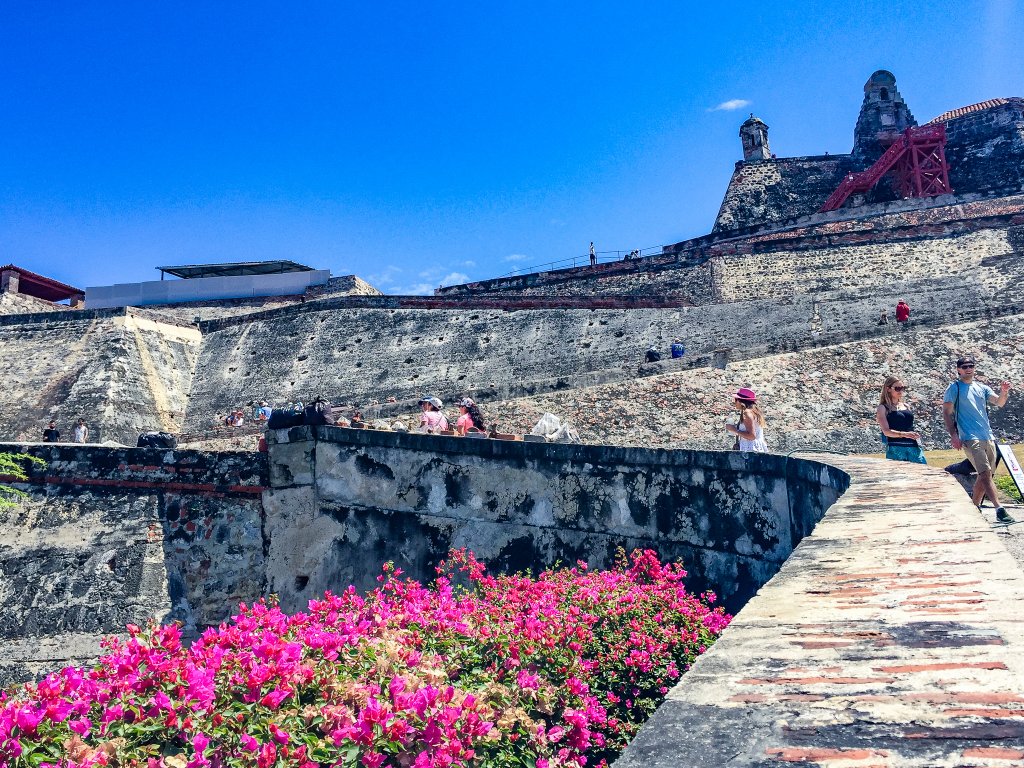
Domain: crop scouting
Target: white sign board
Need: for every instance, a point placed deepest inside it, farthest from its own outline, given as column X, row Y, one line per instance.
column 1006, row 454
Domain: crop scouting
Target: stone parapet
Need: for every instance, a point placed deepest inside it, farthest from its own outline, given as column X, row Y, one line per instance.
column 344, row 500
column 891, row 637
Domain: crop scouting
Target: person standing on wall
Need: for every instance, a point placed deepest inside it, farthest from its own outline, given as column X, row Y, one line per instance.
column 896, row 420
column 965, row 413
column 902, row 312
column 749, row 430
column 80, row 433
column 593, row 255
column 51, row 434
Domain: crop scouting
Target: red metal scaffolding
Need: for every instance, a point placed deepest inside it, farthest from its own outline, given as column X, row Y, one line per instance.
column 917, row 160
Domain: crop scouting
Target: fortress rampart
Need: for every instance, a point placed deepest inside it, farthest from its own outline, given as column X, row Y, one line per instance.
column 111, row 536
column 122, row 370
column 704, row 269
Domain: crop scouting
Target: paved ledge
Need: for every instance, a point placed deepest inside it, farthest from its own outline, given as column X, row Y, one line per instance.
column 893, row 636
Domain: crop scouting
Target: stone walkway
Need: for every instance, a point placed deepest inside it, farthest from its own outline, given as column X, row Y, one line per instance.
column 893, row 636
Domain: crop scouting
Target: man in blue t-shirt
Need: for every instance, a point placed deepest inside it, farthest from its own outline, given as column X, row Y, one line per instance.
column 965, row 411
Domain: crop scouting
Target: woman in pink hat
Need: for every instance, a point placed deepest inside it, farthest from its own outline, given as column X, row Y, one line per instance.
column 749, row 430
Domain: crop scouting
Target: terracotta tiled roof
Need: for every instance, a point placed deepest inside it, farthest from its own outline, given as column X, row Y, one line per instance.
column 42, row 287
column 981, row 106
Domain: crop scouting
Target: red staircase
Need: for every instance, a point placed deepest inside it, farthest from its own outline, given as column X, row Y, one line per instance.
column 918, row 162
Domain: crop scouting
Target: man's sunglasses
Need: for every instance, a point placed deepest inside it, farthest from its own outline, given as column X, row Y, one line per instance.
column 966, row 365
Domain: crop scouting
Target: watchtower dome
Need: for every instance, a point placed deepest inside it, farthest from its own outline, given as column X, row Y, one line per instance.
column 883, row 117
column 754, row 135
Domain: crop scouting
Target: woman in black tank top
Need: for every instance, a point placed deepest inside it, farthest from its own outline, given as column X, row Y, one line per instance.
column 896, row 421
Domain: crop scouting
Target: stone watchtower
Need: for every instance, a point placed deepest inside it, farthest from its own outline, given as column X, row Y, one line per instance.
column 754, row 135
column 883, row 117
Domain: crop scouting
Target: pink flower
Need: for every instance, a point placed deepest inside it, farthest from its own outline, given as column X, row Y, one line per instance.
column 249, row 744
column 527, row 681
column 373, row 759
column 281, row 737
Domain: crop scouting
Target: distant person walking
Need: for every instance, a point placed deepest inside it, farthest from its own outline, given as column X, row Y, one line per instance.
column 896, row 420
column 902, row 312
column 884, row 319
column 51, row 434
column 965, row 413
column 652, row 355
column 749, row 430
column 593, row 255
column 678, row 349
column 80, row 433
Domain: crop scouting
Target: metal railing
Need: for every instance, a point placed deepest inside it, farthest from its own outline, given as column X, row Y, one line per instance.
column 602, row 257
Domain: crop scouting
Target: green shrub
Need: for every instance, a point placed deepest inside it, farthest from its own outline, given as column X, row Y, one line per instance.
column 1006, row 485
column 12, row 467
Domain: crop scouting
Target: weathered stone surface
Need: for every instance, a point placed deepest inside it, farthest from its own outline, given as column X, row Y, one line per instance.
column 123, row 371
column 815, row 398
column 891, row 637
column 352, row 499
column 115, row 536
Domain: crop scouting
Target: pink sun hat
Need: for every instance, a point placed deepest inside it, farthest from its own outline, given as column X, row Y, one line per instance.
column 745, row 394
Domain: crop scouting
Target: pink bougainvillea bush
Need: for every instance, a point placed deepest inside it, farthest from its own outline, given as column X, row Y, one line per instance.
column 474, row 670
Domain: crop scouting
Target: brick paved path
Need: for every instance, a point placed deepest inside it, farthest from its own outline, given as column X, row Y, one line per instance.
column 893, row 636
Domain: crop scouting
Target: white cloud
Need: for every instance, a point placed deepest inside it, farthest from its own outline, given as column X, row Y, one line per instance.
column 468, row 263
column 385, row 277
column 730, row 105
column 454, row 278
column 517, row 257
column 416, row 289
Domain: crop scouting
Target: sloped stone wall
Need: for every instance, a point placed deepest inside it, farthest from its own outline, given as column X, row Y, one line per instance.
column 817, row 397
column 121, row 370
column 22, row 304
column 985, row 150
column 360, row 356
column 883, row 265
column 772, row 191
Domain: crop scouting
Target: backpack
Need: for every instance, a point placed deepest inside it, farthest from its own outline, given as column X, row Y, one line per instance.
column 157, row 440
column 318, row 413
column 282, row 418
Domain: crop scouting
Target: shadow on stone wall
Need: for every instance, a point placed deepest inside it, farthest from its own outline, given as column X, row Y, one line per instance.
column 344, row 501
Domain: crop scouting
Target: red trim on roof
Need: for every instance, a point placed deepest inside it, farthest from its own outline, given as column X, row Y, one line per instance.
column 45, row 288
column 981, row 106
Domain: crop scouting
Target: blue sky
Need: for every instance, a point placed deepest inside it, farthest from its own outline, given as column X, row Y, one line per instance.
column 420, row 143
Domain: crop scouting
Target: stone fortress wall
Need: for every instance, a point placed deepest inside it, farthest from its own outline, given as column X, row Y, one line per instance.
column 820, row 397
column 110, row 536
column 493, row 354
column 128, row 371
column 123, row 370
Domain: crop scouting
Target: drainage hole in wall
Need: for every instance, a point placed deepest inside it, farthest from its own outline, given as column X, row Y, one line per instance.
column 301, row 582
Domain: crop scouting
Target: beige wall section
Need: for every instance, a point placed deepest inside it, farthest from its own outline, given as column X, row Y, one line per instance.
column 157, row 345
